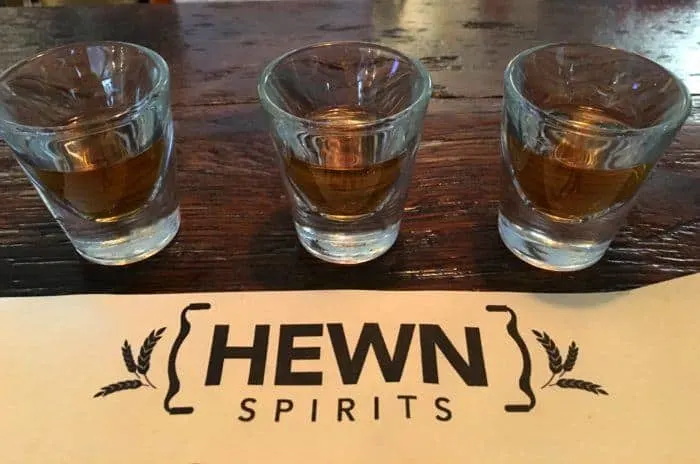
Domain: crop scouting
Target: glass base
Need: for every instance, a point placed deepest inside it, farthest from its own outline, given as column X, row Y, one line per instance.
column 347, row 247
column 537, row 249
column 140, row 244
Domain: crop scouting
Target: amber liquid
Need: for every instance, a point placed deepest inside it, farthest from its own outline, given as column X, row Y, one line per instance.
column 109, row 192
column 345, row 180
column 573, row 182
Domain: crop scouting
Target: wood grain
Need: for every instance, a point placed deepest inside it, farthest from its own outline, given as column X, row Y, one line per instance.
column 237, row 232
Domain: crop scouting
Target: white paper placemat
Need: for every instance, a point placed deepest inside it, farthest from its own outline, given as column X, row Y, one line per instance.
column 352, row 376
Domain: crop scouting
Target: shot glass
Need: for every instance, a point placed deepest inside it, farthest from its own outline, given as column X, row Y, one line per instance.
column 346, row 120
column 91, row 126
column 583, row 126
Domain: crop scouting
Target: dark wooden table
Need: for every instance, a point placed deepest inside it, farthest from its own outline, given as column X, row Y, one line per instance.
column 237, row 232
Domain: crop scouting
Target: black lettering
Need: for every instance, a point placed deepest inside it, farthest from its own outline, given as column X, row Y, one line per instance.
column 432, row 337
column 345, row 405
column 408, row 399
column 376, row 408
column 442, row 408
column 314, row 409
column 248, row 409
column 287, row 353
column 283, row 406
column 220, row 351
column 371, row 336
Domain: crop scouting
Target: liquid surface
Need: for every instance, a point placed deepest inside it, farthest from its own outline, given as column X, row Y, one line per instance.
column 345, row 180
column 572, row 181
column 109, row 192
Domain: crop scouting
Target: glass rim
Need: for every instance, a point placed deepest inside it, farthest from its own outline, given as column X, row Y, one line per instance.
column 109, row 120
column 675, row 119
column 271, row 107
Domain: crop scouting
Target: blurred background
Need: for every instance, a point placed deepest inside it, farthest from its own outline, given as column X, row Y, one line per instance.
column 76, row 2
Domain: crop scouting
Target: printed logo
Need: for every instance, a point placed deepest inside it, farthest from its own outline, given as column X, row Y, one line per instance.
column 559, row 369
column 433, row 343
column 139, row 369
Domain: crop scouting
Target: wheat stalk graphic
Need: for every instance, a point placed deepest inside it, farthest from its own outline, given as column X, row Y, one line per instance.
column 559, row 368
column 137, row 367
